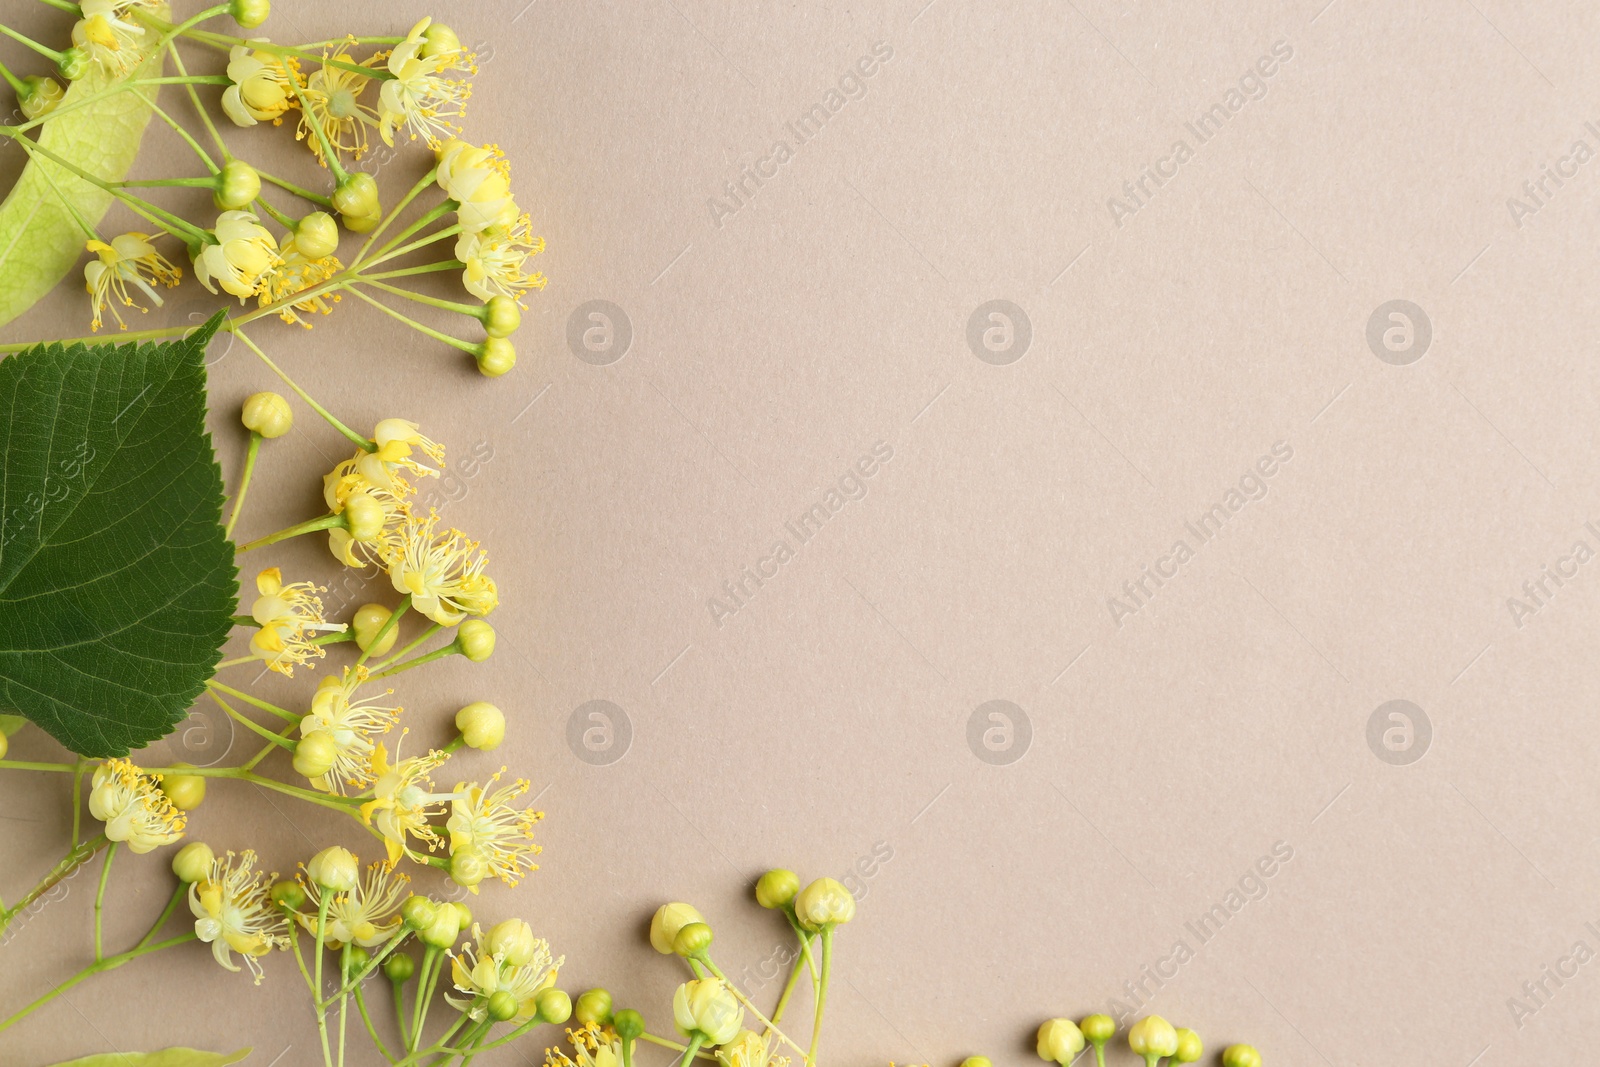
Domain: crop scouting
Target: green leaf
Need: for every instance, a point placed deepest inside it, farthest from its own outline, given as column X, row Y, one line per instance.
column 10, row 724
column 117, row 584
column 171, row 1057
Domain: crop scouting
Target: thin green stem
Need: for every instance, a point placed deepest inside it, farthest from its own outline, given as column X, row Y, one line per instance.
column 291, row 187
column 385, row 254
column 75, row 858
column 344, row 1003
column 689, row 1050
column 250, row 723
column 100, row 902
column 31, row 765
column 330, row 158
column 392, row 660
column 475, row 311
column 372, row 1031
column 77, row 802
column 428, row 331
column 12, row 80
column 194, row 96
column 394, row 213
column 277, row 216
column 108, row 964
column 788, row 987
column 64, row 5
column 398, row 989
column 161, row 217
column 438, row 653
column 323, row 522
column 771, row 1025
column 205, row 36
column 318, row 408
column 177, row 128
column 172, row 906
column 822, row 993
column 323, row 901
column 257, row 702
column 423, row 992
column 244, row 482
column 426, row 991
column 49, row 53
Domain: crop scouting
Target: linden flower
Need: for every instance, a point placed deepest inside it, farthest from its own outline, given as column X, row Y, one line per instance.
column 133, row 807
column 479, row 180
column 289, row 616
column 233, row 912
column 495, row 260
column 401, row 802
column 748, row 1049
column 443, row 574
column 332, row 103
column 351, row 724
column 366, row 915
column 419, row 97
column 260, row 91
column 484, row 821
column 298, row 273
column 591, row 1047
column 130, row 258
column 108, row 35
column 242, row 259
column 481, row 973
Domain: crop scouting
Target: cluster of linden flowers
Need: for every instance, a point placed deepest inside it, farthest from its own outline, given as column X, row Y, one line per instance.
column 342, row 94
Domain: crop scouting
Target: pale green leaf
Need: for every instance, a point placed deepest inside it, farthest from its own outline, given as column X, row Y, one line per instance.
column 168, row 1057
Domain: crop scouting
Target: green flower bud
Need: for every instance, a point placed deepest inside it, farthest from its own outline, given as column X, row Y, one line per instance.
column 482, row 726
column 250, row 13
column 317, row 235
column 399, row 967
column 1241, row 1056
column 692, row 940
column 475, row 640
column 40, row 95
column 667, row 921
column 363, row 516
column 334, row 868
column 776, row 888
column 1059, row 1040
column 513, row 941
column 418, row 912
column 495, row 357
column 74, row 63
column 314, row 754
column 628, row 1024
column 977, row 1061
column 237, row 186
column 192, row 863
column 362, row 223
column 356, row 197
column 707, row 1007
column 289, row 895
column 501, row 316
column 185, row 791
column 267, row 414
column 444, row 929
column 359, row 958
column 1189, row 1046
column 1152, row 1037
column 1098, row 1028
column 503, row 1006
column 825, row 902
column 468, row 867
column 440, row 40
column 369, row 621
column 463, row 914
column 593, row 1007
column 554, row 1006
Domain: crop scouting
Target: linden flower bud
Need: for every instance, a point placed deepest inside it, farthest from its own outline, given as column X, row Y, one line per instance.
column 482, row 726
column 468, row 867
column 440, row 40
column 1152, row 1037
column 667, row 921
column 369, row 621
column 250, row 13
column 399, row 968
column 1059, row 1041
column 192, row 862
column 290, row 895
column 593, row 1006
column 553, row 1006
column 314, row 754
column 825, row 902
column 317, row 235
column 1189, row 1046
column 1098, row 1028
column 501, row 316
column 444, row 929
column 237, row 186
column 334, row 868
column 513, row 941
column 692, row 940
column 356, row 198
column 186, row 791
column 503, row 1005
column 707, row 1007
column 495, row 357
column 267, row 414
column 418, row 912
column 777, row 888
column 74, row 63
column 628, row 1024
column 463, row 914
column 40, row 96
column 363, row 516
column 1241, row 1056
column 475, row 639
column 977, row 1061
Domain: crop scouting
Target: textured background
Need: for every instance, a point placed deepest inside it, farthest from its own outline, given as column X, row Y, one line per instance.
column 838, row 721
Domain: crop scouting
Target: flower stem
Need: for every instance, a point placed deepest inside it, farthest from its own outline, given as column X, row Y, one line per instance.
column 738, row 994
column 432, row 301
column 394, row 213
column 318, row 408
column 110, row 963
column 281, row 713
column 244, row 482
column 428, row 331
column 822, row 993
column 190, row 141
column 188, row 232
column 438, row 653
column 323, row 522
column 49, row 53
column 77, row 857
column 291, row 187
column 323, row 899
column 392, row 660
column 172, row 905
column 100, row 902
column 194, row 97
column 689, row 1050
column 794, row 977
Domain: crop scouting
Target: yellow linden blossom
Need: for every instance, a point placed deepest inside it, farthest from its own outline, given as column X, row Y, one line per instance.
column 351, row 724
column 332, row 103
column 109, row 36
column 495, row 260
column 479, row 181
column 260, row 91
column 243, row 257
column 443, row 574
column 298, row 273
column 401, row 803
column 480, row 974
column 484, row 821
column 128, row 259
column 366, row 915
column 592, row 1046
column 133, row 807
column 419, row 96
column 234, row 913
column 290, row 616
column 749, row 1049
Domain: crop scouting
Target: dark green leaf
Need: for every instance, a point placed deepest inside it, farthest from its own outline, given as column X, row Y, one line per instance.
column 117, row 584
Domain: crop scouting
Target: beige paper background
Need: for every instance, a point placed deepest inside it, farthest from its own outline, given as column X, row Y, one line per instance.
column 827, row 719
